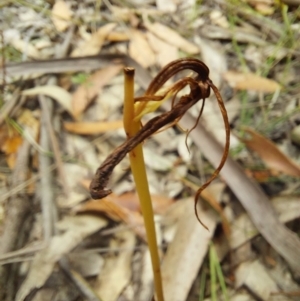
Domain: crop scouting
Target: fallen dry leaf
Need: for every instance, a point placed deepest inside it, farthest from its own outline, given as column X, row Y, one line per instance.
column 61, row 15
column 242, row 228
column 218, row 17
column 10, row 147
column 117, row 271
column 122, row 13
column 265, row 7
column 11, row 144
column 166, row 5
column 186, row 252
column 250, row 81
column 26, row 48
column 31, row 127
column 92, row 128
column 88, row 264
column 140, row 49
column 111, row 209
column 270, row 154
column 10, row 141
column 131, row 201
column 259, row 175
column 116, row 212
column 161, row 203
column 255, row 277
column 172, row 37
column 118, row 36
column 62, row 96
column 86, row 92
column 126, row 208
column 76, row 229
column 165, row 52
column 94, row 44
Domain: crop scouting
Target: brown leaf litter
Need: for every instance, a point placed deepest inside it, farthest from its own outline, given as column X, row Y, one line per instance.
column 251, row 49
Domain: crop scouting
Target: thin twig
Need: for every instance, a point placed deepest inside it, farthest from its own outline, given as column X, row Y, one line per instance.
column 47, row 195
column 55, row 146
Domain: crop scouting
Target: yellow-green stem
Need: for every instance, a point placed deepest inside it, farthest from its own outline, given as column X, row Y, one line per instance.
column 140, row 178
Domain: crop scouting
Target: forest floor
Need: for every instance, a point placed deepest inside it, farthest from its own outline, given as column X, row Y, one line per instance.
column 61, row 111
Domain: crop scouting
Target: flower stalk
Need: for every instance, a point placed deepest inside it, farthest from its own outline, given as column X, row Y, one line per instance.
column 137, row 164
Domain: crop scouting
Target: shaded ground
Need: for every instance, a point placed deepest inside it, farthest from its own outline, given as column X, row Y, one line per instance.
column 61, row 117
